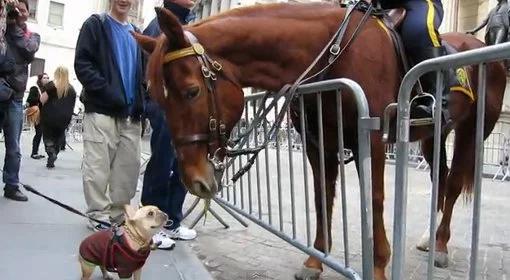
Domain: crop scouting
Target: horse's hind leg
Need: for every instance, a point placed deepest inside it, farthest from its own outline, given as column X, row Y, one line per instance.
column 427, row 148
column 313, row 266
column 461, row 175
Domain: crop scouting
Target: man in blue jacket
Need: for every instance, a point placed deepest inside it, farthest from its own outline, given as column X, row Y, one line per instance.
column 108, row 63
column 162, row 184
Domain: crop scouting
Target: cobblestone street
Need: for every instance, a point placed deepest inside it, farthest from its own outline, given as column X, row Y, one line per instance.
column 254, row 253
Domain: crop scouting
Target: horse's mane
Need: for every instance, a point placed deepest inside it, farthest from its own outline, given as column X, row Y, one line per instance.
column 298, row 11
column 303, row 11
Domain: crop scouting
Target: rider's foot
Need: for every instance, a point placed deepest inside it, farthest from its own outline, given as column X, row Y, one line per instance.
column 422, row 112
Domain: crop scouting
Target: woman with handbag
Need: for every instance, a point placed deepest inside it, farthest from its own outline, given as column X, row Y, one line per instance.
column 33, row 112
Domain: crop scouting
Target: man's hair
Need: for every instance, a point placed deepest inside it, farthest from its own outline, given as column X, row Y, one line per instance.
column 39, row 80
column 14, row 13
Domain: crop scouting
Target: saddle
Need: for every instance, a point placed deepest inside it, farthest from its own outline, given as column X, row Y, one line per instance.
column 392, row 19
column 395, row 17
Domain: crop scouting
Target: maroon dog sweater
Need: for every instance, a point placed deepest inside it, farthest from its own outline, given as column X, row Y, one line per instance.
column 110, row 249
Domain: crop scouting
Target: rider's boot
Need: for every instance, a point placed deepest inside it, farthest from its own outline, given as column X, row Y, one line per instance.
column 425, row 108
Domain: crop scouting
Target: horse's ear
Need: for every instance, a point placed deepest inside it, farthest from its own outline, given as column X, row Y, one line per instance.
column 171, row 27
column 146, row 42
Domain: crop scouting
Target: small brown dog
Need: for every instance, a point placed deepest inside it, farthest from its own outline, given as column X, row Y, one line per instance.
column 122, row 249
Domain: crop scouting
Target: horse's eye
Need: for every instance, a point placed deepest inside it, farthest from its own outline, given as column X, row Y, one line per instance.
column 192, row 93
column 150, row 214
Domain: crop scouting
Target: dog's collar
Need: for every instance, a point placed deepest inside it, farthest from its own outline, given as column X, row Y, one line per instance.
column 135, row 236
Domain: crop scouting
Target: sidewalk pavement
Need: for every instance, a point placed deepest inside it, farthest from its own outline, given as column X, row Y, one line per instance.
column 40, row 240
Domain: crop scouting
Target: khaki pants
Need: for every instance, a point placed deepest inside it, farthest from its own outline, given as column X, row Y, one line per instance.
column 111, row 164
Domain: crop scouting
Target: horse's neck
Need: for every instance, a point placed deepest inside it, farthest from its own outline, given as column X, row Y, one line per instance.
column 268, row 52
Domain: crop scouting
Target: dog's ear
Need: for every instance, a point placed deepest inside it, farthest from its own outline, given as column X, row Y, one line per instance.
column 129, row 211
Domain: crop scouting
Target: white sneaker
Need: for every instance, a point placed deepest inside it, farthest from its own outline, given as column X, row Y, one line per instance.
column 163, row 241
column 182, row 233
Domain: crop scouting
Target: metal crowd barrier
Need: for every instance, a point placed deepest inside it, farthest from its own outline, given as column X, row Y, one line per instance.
column 273, row 196
column 496, row 152
column 477, row 56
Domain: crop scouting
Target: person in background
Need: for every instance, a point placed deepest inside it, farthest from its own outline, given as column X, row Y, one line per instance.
column 22, row 44
column 162, row 184
column 33, row 112
column 56, row 113
column 108, row 63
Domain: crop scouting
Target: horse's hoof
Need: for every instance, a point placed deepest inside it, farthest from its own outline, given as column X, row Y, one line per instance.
column 441, row 260
column 423, row 247
column 308, row 273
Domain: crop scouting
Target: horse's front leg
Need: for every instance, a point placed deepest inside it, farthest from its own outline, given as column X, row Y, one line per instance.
column 313, row 266
column 427, row 148
column 381, row 245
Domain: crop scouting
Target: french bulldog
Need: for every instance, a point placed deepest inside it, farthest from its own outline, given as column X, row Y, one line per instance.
column 123, row 249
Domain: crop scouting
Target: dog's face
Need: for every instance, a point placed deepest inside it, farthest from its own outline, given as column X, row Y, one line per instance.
column 147, row 220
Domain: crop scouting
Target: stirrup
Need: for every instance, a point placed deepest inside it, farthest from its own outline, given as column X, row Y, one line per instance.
column 423, row 121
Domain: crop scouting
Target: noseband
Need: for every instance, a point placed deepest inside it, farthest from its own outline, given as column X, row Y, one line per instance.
column 217, row 128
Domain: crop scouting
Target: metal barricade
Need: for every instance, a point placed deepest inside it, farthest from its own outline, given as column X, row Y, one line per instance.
column 477, row 56
column 270, row 193
column 503, row 164
column 75, row 129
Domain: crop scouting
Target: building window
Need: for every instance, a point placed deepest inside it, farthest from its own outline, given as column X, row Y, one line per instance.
column 32, row 8
column 56, row 15
column 135, row 9
column 135, row 14
column 37, row 67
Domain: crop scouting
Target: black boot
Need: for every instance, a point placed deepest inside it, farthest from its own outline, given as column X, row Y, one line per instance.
column 52, row 155
column 425, row 108
column 13, row 192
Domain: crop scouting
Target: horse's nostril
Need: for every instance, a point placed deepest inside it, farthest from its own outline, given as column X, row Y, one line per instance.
column 201, row 189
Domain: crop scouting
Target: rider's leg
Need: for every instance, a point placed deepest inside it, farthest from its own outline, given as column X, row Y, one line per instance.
column 421, row 37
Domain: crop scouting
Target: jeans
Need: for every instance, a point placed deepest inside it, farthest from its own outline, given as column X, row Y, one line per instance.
column 162, row 186
column 12, row 126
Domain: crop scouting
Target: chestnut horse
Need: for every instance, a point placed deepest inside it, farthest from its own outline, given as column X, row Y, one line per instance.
column 269, row 46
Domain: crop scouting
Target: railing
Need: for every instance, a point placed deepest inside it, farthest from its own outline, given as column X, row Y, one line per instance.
column 480, row 57
column 273, row 196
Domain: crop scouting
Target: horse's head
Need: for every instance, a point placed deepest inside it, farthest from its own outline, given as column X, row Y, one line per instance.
column 201, row 98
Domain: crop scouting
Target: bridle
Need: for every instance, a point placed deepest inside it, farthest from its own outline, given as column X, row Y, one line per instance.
column 217, row 134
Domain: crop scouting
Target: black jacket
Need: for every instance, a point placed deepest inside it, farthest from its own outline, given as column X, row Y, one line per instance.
column 57, row 113
column 184, row 15
column 22, row 46
column 34, row 97
column 392, row 4
column 96, row 68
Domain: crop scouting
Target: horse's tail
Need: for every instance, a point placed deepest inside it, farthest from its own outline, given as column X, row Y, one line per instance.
column 466, row 132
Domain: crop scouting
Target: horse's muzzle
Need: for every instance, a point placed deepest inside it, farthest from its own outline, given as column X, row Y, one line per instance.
column 205, row 187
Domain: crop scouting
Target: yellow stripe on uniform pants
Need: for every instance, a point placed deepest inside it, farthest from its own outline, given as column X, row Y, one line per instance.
column 430, row 24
